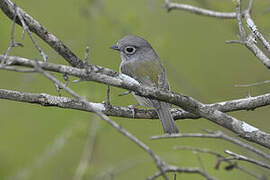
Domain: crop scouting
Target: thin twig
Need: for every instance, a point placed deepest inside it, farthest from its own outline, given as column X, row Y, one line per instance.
column 8, row 8
column 252, row 84
column 108, row 101
column 26, row 28
column 219, row 135
column 259, row 177
column 250, row 5
column 22, row 70
column 244, row 158
column 251, row 25
column 86, row 62
column 249, row 41
column 221, row 158
column 200, row 160
column 12, row 42
column 200, row 11
column 66, row 78
column 183, row 170
column 240, row 22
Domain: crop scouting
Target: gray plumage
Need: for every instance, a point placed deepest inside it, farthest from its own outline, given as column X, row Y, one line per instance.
column 140, row 61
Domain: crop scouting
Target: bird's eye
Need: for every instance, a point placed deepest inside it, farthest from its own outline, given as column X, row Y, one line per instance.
column 130, row 50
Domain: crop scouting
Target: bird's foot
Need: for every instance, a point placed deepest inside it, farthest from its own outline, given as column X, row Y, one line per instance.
column 132, row 108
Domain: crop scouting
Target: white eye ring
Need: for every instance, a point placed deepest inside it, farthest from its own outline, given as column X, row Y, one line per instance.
column 130, row 50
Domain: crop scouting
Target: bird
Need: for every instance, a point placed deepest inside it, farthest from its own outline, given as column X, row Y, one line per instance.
column 141, row 62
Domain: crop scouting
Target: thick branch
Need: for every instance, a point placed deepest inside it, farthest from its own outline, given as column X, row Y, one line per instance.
column 249, row 103
column 109, row 77
column 43, row 99
column 187, row 103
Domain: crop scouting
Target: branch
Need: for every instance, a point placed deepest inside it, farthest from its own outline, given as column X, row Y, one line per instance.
column 183, row 170
column 251, row 25
column 218, row 135
column 158, row 161
column 200, row 11
column 244, row 158
column 91, row 73
column 249, row 41
column 109, row 77
column 220, row 158
column 26, row 28
column 239, row 20
column 8, row 8
column 12, row 42
column 249, row 103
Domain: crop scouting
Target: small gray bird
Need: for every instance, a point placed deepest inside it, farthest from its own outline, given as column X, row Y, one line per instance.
column 140, row 61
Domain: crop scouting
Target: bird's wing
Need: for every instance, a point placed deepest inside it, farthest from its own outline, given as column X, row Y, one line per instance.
column 148, row 72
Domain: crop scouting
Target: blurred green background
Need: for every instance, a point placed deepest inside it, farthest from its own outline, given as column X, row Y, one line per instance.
column 47, row 143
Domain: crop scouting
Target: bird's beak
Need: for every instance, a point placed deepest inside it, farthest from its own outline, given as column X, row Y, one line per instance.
column 115, row 47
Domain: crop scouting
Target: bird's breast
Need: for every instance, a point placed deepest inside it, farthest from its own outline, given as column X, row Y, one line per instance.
column 147, row 72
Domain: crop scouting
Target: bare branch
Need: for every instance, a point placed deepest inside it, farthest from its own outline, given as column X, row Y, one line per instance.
column 183, row 170
column 109, row 77
column 234, row 42
column 197, row 150
column 244, row 158
column 220, row 158
column 200, row 11
column 43, row 99
column 251, row 25
column 239, row 20
column 250, row 5
column 249, row 103
column 23, row 70
column 259, row 177
column 108, row 101
column 12, row 42
column 25, row 28
column 158, row 161
column 253, row 84
column 250, row 44
column 8, row 8
column 86, row 56
column 219, row 135
column 187, row 103
column 249, row 41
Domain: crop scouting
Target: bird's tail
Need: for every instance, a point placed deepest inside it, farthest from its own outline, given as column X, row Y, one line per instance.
column 164, row 114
